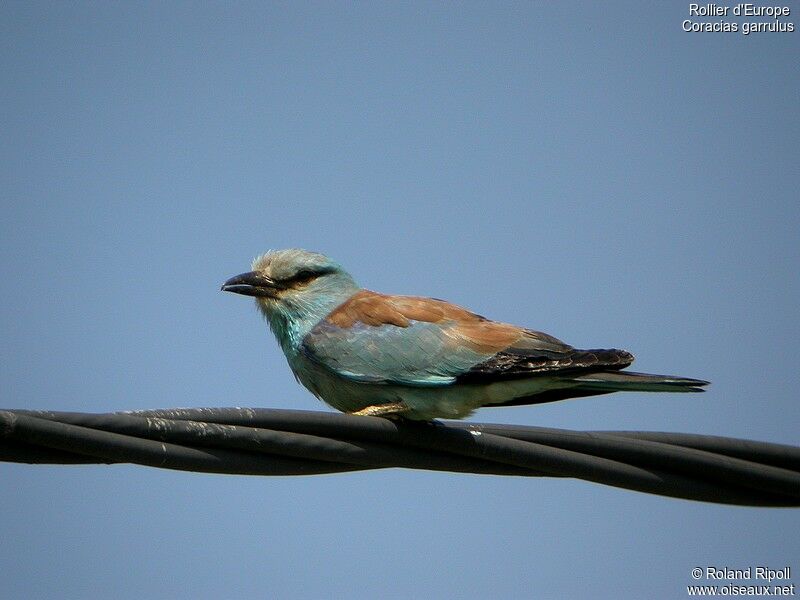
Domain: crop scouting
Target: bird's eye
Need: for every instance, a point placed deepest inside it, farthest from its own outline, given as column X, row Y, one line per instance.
column 304, row 277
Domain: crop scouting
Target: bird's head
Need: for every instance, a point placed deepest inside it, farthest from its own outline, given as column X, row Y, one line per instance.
column 294, row 284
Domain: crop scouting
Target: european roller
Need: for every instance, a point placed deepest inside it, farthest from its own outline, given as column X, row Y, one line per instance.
column 368, row 353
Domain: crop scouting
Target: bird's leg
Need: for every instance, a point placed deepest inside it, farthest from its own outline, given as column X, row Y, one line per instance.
column 382, row 410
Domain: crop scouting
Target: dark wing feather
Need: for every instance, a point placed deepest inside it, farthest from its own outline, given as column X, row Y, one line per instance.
column 516, row 362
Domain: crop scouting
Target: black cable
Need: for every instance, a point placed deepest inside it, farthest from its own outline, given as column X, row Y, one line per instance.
column 286, row 442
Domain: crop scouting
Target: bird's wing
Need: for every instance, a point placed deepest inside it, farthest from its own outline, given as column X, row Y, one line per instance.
column 409, row 340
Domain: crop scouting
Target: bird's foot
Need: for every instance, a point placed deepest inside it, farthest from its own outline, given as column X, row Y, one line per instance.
column 395, row 409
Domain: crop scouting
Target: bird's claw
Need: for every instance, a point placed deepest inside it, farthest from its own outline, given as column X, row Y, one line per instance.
column 393, row 410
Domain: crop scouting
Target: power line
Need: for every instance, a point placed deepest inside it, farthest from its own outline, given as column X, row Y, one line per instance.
column 287, row 442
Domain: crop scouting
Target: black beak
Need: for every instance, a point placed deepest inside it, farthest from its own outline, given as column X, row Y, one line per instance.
column 251, row 284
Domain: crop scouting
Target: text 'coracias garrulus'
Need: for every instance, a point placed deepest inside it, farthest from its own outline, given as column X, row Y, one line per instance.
column 373, row 354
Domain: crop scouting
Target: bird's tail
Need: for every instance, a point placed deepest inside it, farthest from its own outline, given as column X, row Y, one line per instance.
column 626, row 381
column 606, row 382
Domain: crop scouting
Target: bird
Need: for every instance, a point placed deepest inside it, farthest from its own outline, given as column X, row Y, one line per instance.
column 410, row 357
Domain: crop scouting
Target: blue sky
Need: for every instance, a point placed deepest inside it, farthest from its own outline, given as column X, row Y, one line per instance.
column 586, row 169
